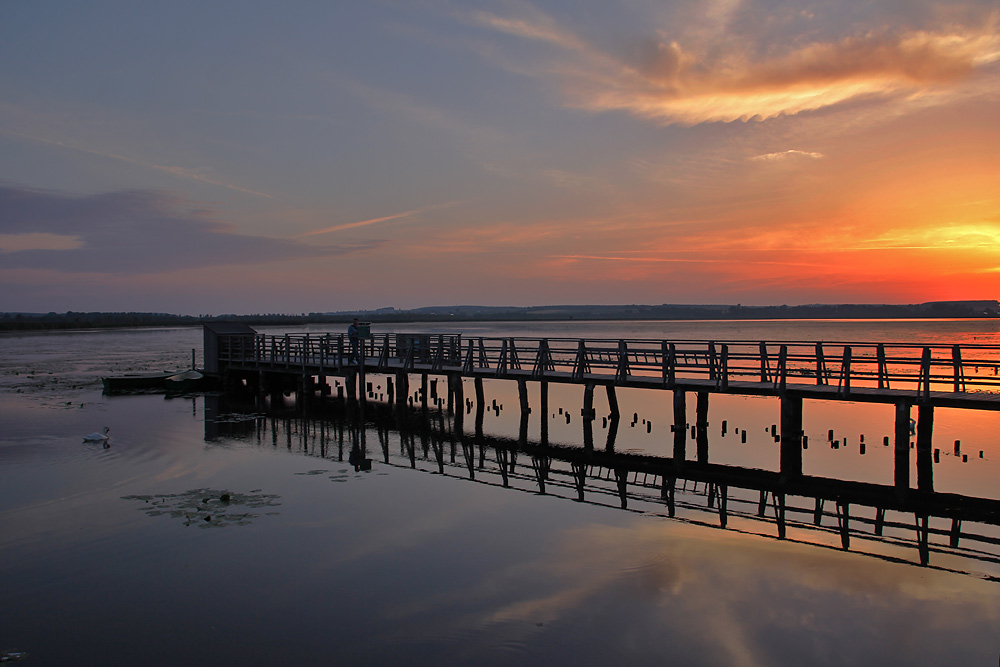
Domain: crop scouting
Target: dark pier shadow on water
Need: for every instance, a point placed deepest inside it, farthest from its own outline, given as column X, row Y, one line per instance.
column 944, row 531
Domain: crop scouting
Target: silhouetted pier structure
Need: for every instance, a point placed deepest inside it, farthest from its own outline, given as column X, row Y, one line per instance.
column 905, row 375
column 820, row 510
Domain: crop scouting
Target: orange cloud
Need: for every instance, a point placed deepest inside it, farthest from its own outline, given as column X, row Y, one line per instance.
column 673, row 83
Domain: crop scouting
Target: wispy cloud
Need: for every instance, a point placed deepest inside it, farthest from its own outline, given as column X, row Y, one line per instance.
column 783, row 155
column 372, row 221
column 622, row 258
column 732, row 78
column 132, row 232
column 180, row 172
column 38, row 241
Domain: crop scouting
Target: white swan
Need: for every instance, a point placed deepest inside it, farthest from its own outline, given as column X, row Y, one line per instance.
column 97, row 437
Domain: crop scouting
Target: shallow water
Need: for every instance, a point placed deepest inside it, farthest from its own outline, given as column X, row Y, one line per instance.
column 107, row 556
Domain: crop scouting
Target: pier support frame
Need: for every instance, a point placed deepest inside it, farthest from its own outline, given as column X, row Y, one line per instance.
column 544, row 390
column 791, row 437
column 456, row 398
column 925, row 461
column 480, row 394
column 701, row 426
column 680, row 428
column 612, row 402
column 901, row 470
column 402, row 388
column 588, row 413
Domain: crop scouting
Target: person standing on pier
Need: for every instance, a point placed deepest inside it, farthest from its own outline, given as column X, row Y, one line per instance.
column 354, row 336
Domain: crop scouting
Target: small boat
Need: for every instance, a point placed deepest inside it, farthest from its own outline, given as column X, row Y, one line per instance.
column 191, row 380
column 127, row 383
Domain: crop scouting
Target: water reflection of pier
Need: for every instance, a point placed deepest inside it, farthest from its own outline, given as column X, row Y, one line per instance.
column 904, row 375
column 874, row 519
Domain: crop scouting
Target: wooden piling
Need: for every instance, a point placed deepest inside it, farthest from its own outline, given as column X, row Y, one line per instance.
column 612, row 401
column 901, row 472
column 701, row 424
column 544, row 400
column 588, row 413
column 402, row 388
column 680, row 428
column 480, row 394
column 925, row 429
column 791, row 437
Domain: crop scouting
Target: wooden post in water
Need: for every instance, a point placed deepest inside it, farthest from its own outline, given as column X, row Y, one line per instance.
column 351, row 380
column 402, row 388
column 791, row 437
column 588, row 415
column 680, row 428
column 701, row 424
column 456, row 399
column 423, row 390
column 588, row 412
column 588, row 434
column 304, row 393
column 480, row 395
column 925, row 460
column 901, row 476
column 544, row 389
column 480, row 413
column 609, row 445
column 522, row 394
column 613, row 402
column 363, row 385
column 459, row 391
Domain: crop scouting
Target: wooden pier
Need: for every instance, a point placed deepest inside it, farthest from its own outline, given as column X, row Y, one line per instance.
column 905, row 375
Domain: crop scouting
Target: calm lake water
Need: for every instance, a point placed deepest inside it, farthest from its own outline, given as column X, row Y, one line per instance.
column 217, row 530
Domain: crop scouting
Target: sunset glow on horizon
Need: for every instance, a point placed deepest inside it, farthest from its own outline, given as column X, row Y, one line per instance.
column 229, row 157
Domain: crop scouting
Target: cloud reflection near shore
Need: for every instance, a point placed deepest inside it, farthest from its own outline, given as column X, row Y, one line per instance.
column 708, row 589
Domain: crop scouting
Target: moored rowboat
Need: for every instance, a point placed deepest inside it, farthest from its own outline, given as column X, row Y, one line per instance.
column 136, row 382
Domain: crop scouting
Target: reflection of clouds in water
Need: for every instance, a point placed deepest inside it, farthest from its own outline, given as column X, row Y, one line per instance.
column 712, row 591
column 714, row 597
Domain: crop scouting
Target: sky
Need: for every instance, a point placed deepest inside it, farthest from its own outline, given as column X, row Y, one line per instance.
column 261, row 157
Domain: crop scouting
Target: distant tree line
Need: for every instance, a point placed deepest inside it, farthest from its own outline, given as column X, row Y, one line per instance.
column 100, row 320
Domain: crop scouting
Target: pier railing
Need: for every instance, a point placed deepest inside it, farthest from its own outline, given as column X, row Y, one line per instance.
column 840, row 365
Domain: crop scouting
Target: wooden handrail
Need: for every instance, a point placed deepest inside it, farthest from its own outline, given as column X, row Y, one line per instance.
column 926, row 368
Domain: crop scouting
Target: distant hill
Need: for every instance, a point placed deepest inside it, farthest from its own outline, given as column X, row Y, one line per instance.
column 931, row 309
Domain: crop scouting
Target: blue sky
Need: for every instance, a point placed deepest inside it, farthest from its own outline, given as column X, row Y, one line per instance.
column 250, row 157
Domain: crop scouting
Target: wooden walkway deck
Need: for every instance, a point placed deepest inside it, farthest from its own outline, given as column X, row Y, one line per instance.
column 955, row 376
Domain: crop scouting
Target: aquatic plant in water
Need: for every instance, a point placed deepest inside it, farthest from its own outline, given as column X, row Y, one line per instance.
column 208, row 508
